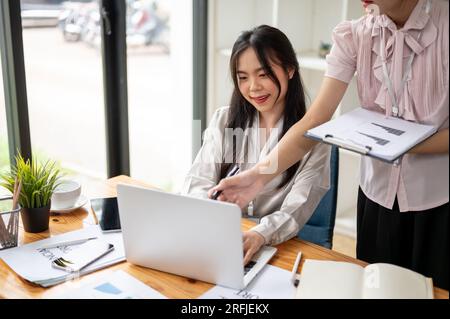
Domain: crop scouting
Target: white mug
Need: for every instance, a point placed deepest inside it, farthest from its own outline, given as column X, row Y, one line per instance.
column 66, row 194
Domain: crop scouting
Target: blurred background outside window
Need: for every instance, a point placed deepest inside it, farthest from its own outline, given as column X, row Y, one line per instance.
column 4, row 150
column 63, row 66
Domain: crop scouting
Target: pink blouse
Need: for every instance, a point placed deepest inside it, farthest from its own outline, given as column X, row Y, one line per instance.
column 420, row 181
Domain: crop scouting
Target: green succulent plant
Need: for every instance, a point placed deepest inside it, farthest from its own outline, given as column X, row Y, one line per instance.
column 38, row 181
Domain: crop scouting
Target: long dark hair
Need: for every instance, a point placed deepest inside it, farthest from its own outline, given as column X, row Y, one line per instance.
column 270, row 44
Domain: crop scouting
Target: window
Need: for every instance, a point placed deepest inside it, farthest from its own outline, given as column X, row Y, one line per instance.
column 159, row 42
column 64, row 83
column 4, row 151
column 63, row 67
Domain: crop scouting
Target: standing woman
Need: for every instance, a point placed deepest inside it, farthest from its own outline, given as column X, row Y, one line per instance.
column 400, row 57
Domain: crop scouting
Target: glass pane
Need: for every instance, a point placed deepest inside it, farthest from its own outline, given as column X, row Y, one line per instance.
column 159, row 39
column 4, row 150
column 65, row 85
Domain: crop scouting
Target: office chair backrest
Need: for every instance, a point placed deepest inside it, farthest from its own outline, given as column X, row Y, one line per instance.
column 319, row 228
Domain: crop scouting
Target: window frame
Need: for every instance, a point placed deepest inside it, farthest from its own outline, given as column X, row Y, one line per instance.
column 114, row 60
column 14, row 81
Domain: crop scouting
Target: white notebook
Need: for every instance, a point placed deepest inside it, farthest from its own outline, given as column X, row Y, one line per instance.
column 372, row 133
column 331, row 279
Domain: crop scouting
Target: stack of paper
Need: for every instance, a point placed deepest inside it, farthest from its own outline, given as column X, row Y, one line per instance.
column 33, row 263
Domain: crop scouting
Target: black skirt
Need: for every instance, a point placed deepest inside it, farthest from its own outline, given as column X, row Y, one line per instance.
column 415, row 240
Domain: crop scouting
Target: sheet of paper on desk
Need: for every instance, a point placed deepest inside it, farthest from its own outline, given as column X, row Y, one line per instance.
column 116, row 285
column 271, row 283
column 33, row 263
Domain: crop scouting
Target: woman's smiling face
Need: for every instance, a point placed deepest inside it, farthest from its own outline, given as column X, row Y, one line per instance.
column 257, row 87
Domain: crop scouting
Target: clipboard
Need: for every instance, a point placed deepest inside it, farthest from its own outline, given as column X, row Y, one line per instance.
column 372, row 134
column 349, row 146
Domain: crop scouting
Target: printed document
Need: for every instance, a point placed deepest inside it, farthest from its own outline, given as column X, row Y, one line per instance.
column 33, row 263
column 372, row 133
column 116, row 285
column 271, row 283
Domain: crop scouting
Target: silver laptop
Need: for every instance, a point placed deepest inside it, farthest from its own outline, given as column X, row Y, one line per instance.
column 195, row 238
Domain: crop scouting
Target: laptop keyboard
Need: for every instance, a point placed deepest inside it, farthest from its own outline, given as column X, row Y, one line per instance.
column 249, row 266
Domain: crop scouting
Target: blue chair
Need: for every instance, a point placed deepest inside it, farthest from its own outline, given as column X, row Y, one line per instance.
column 319, row 228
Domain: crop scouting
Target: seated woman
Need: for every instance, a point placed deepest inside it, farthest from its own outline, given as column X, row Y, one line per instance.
column 267, row 100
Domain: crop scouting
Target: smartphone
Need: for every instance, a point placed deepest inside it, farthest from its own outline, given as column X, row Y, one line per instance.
column 107, row 212
column 83, row 256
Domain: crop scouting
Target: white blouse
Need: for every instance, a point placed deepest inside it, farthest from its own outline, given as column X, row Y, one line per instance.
column 281, row 212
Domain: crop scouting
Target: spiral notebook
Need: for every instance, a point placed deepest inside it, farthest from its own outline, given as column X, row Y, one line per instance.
column 373, row 134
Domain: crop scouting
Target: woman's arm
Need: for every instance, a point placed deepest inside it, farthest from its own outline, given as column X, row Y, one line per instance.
column 436, row 144
column 309, row 186
column 241, row 189
column 293, row 146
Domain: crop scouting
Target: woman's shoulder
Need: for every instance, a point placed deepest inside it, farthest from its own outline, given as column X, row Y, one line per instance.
column 350, row 33
column 441, row 6
column 219, row 117
column 222, row 110
column 439, row 14
column 318, row 153
column 348, row 27
column 320, row 148
column 347, row 32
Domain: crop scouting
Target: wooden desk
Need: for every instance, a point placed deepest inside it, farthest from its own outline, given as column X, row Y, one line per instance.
column 172, row 286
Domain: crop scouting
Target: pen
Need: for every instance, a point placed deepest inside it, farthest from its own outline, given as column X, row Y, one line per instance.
column 348, row 144
column 294, row 269
column 67, row 243
column 94, row 215
column 233, row 172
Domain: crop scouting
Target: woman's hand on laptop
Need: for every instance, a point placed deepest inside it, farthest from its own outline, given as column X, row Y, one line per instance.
column 253, row 241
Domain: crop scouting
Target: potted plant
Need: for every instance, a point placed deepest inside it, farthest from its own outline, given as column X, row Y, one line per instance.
column 38, row 184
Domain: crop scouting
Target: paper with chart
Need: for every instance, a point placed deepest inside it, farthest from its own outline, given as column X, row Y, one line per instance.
column 33, row 263
column 384, row 137
column 271, row 283
column 116, row 285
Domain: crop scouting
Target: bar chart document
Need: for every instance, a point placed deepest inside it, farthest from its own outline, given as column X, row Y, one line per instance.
column 373, row 134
